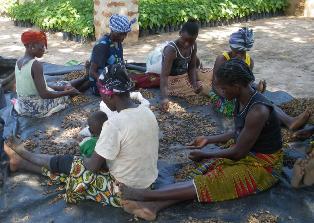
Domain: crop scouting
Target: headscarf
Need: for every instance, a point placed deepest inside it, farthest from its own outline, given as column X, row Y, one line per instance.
column 114, row 80
column 32, row 36
column 242, row 40
column 120, row 23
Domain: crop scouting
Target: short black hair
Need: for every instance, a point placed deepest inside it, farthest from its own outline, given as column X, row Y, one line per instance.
column 190, row 27
column 235, row 71
column 96, row 121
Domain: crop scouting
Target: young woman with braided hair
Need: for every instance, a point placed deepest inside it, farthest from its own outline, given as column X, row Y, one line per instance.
column 240, row 43
column 252, row 165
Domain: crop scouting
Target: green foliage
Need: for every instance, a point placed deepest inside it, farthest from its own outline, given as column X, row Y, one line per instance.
column 155, row 13
column 5, row 5
column 76, row 16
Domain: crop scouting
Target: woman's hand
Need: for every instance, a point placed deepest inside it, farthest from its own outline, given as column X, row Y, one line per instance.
column 164, row 105
column 73, row 92
column 198, row 143
column 198, row 156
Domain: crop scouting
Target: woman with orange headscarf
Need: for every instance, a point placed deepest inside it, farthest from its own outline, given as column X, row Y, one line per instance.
column 35, row 97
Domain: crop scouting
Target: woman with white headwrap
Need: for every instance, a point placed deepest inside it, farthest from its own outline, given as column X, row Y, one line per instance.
column 240, row 43
column 108, row 49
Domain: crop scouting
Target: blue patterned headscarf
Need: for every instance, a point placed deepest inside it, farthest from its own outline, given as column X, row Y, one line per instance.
column 242, row 40
column 120, row 23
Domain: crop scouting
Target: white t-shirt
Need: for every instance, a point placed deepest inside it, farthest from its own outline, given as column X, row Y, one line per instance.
column 129, row 142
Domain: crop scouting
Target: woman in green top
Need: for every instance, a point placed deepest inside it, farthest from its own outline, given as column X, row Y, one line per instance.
column 34, row 97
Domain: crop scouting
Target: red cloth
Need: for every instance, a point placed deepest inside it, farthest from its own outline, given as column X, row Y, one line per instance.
column 148, row 80
column 34, row 37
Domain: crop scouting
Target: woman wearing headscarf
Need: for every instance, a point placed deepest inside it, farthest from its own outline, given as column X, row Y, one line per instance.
column 108, row 49
column 127, row 138
column 36, row 98
column 240, row 43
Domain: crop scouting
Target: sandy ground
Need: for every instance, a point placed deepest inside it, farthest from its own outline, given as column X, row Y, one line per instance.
column 282, row 51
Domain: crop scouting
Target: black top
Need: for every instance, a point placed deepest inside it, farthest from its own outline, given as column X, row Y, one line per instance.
column 269, row 141
column 180, row 65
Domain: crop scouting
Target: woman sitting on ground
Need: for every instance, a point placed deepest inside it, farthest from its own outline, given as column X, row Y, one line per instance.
column 240, row 43
column 252, row 165
column 122, row 146
column 36, row 98
column 108, row 49
column 179, row 76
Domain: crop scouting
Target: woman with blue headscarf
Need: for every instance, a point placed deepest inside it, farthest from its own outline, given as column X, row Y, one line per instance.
column 108, row 49
column 240, row 43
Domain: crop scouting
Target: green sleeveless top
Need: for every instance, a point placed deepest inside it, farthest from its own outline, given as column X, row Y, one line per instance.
column 25, row 85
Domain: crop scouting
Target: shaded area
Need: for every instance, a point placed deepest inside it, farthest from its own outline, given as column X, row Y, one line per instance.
column 28, row 198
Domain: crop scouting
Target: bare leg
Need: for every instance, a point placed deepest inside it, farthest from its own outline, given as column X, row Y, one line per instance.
column 292, row 123
column 145, row 210
column 42, row 160
column 18, row 163
column 179, row 191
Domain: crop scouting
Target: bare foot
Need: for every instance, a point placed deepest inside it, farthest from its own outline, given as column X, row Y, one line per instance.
column 261, row 86
column 298, row 173
column 128, row 193
column 16, row 145
column 15, row 159
column 304, row 134
column 309, row 170
column 144, row 210
column 300, row 120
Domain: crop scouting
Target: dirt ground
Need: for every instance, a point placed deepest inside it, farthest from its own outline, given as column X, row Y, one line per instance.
column 282, row 50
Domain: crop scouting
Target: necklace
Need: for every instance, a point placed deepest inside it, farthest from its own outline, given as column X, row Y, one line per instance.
column 243, row 110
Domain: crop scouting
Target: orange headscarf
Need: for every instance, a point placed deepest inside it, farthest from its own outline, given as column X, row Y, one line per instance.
column 34, row 37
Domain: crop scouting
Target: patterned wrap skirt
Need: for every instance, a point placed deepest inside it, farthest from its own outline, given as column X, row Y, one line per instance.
column 221, row 104
column 180, row 86
column 82, row 184
column 224, row 179
column 35, row 106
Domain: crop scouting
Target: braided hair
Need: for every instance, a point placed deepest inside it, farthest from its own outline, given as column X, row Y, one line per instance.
column 190, row 27
column 235, row 71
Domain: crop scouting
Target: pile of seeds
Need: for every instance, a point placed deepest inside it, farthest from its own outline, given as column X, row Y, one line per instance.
column 184, row 172
column 179, row 126
column 198, row 100
column 75, row 119
column 80, row 99
column 263, row 216
column 146, row 93
column 74, row 75
column 297, row 106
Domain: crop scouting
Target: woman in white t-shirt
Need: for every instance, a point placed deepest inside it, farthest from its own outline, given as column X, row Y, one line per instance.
column 127, row 146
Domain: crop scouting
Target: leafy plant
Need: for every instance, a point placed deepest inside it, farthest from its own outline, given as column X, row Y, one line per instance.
column 76, row 16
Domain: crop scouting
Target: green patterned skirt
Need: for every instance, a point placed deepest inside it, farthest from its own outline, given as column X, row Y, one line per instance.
column 221, row 105
column 82, row 184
